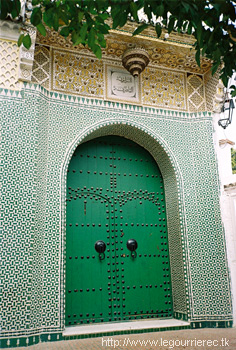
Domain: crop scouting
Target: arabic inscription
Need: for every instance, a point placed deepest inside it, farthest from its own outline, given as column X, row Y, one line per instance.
column 122, row 85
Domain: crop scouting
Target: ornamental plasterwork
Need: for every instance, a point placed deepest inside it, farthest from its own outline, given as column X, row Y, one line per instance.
column 173, row 56
column 84, row 75
column 9, row 57
column 150, row 33
column 196, row 93
column 77, row 74
column 27, row 57
column 41, row 66
column 163, row 88
column 162, row 53
column 11, row 31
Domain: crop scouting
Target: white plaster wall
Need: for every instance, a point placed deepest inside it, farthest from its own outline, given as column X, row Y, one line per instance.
column 224, row 152
column 227, row 196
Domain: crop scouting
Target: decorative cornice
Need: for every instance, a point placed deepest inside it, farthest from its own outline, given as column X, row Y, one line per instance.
column 9, row 30
column 163, row 53
column 174, row 38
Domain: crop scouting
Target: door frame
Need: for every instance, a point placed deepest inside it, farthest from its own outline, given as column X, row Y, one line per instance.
column 175, row 208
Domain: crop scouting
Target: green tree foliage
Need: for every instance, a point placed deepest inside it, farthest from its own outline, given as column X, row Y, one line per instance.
column 233, row 160
column 211, row 22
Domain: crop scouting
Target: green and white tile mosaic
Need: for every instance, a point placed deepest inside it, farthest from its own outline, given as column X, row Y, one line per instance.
column 40, row 131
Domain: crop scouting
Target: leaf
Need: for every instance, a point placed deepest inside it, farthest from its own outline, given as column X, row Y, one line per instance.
column 91, row 38
column 48, row 17
column 20, row 39
column 3, row 10
column 233, row 93
column 160, row 10
column 80, row 16
column 89, row 19
column 103, row 16
column 224, row 79
column 147, row 11
column 115, row 11
column 99, row 19
column 158, row 30
column 102, row 29
column 186, row 6
column 55, row 21
column 76, row 38
column 140, row 29
column 97, row 51
column 199, row 33
column 119, row 16
column 16, row 9
column 171, row 24
column 190, row 28
column 204, row 50
column 102, row 42
column 36, row 16
column 214, row 68
column 63, row 17
column 65, row 31
column 6, row 7
column 197, row 57
column 83, row 31
column 116, row 22
column 41, row 29
column 216, row 54
column 134, row 10
column 26, row 41
column 121, row 19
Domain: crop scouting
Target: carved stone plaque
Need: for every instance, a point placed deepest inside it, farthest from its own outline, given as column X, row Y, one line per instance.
column 121, row 85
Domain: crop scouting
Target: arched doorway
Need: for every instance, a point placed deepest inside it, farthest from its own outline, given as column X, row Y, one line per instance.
column 115, row 194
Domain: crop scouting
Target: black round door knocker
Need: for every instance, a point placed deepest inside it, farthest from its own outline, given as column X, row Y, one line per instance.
column 132, row 245
column 100, row 247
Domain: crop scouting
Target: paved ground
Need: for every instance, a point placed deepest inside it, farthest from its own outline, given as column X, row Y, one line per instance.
column 205, row 339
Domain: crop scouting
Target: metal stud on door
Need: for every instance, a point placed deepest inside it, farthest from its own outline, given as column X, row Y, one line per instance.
column 117, row 245
column 145, row 274
column 88, row 221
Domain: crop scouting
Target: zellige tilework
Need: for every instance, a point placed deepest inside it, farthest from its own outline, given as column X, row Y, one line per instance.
column 37, row 144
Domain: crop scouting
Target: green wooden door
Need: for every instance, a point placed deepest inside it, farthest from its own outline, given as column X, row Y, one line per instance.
column 115, row 193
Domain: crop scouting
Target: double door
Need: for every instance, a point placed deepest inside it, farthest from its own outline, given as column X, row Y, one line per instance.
column 117, row 261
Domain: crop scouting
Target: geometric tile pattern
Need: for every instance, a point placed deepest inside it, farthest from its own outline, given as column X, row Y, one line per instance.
column 9, row 53
column 196, row 95
column 37, row 144
column 41, row 65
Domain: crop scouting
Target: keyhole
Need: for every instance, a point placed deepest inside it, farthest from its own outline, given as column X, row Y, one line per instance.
column 85, row 207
